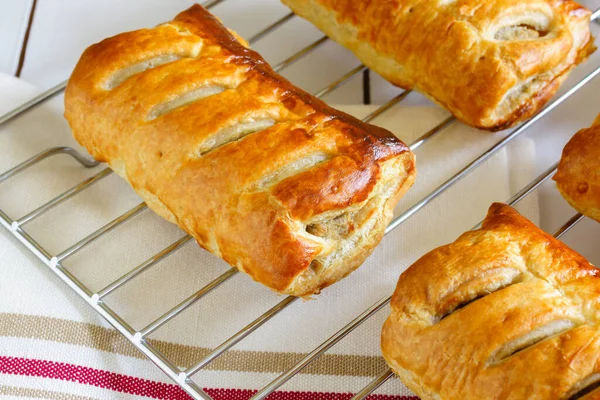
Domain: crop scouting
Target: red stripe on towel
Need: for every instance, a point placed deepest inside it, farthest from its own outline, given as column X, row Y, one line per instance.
column 147, row 388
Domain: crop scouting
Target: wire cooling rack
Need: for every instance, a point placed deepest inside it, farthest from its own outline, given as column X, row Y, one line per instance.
column 139, row 337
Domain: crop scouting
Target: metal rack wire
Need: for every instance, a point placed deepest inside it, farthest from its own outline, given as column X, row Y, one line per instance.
column 139, row 337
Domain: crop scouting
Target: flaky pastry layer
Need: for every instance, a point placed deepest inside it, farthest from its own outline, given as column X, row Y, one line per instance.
column 578, row 175
column 504, row 312
column 491, row 63
column 260, row 173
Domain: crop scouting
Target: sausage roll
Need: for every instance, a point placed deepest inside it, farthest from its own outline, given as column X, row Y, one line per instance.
column 578, row 175
column 504, row 312
column 260, row 173
column 490, row 63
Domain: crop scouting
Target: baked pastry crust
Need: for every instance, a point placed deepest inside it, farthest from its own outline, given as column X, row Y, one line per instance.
column 578, row 175
column 490, row 63
column 260, row 173
column 504, row 312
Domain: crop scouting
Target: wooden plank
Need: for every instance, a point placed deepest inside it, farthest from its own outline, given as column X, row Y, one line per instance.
column 14, row 16
column 62, row 29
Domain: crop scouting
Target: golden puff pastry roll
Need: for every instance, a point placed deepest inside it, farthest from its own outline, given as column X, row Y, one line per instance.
column 578, row 175
column 504, row 312
column 490, row 63
column 260, row 173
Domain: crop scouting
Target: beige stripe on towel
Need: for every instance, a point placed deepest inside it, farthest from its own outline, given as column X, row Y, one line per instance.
column 13, row 391
column 109, row 340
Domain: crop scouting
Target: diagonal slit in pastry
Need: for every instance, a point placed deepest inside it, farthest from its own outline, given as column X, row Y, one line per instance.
column 583, row 387
column 183, row 100
column 529, row 26
column 233, row 133
column 477, row 288
column 531, row 338
column 520, row 32
column 293, row 168
column 122, row 75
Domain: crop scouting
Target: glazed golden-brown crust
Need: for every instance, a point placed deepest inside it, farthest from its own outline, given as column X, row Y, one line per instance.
column 504, row 312
column 578, row 175
column 490, row 63
column 260, row 173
